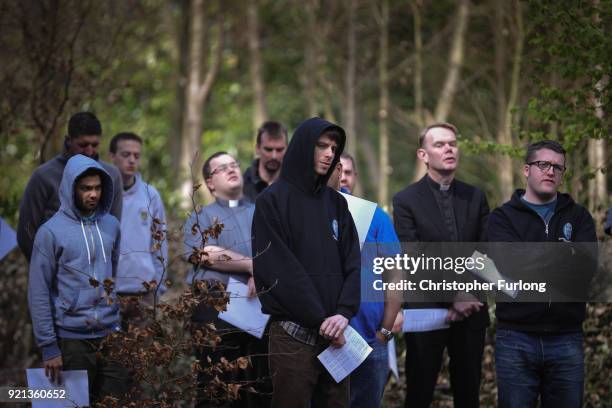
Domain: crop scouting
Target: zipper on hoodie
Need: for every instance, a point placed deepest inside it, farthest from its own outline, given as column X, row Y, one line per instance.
column 546, row 232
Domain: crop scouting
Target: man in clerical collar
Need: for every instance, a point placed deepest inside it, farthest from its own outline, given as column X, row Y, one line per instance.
column 228, row 255
column 265, row 169
column 439, row 208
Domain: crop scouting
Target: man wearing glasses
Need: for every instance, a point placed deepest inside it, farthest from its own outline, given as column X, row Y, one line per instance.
column 538, row 348
column 219, row 258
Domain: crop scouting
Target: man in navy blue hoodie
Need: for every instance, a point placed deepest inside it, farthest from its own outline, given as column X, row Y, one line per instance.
column 74, row 252
column 538, row 348
column 306, row 267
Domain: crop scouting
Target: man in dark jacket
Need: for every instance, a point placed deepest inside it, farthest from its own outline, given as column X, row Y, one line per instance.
column 270, row 148
column 41, row 197
column 306, row 267
column 538, row 348
column 439, row 208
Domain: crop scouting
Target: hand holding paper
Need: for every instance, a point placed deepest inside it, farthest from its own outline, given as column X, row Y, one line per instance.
column 341, row 361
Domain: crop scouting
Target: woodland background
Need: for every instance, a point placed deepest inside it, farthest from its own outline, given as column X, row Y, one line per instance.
column 200, row 76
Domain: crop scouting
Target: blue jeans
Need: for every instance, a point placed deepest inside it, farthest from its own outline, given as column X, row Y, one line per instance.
column 548, row 366
column 368, row 381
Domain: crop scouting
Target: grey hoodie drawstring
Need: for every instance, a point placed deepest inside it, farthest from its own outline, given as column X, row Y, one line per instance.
column 87, row 244
column 101, row 241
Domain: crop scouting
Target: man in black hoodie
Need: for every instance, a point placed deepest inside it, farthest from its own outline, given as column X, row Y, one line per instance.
column 306, row 267
column 538, row 348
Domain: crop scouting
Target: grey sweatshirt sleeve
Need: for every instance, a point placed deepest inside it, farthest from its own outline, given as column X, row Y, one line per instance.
column 116, row 252
column 43, row 270
column 31, row 213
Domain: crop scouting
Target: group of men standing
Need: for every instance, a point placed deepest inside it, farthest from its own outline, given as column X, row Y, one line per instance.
column 83, row 221
column 290, row 237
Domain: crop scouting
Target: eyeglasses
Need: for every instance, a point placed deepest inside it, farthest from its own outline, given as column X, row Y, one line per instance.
column 546, row 165
column 224, row 168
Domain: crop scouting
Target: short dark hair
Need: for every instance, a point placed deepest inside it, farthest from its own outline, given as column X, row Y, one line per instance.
column 444, row 125
column 123, row 136
column 84, row 123
column 333, row 134
column 543, row 144
column 273, row 129
column 206, row 168
column 92, row 171
column 347, row 156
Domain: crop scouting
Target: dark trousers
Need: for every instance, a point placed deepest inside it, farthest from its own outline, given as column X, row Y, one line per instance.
column 299, row 379
column 234, row 344
column 105, row 376
column 531, row 366
column 424, row 353
column 259, row 374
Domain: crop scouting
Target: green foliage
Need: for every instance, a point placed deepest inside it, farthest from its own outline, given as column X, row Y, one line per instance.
column 571, row 79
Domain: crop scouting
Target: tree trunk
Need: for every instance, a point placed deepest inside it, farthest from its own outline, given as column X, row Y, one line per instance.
column 260, row 112
column 367, row 151
column 383, row 111
column 512, row 118
column 598, row 189
column 350, row 83
column 182, row 42
column 598, row 194
column 445, row 101
column 196, row 93
column 449, row 89
column 310, row 58
column 419, row 120
column 505, row 168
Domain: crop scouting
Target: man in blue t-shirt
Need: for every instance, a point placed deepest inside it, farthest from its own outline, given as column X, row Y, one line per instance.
column 376, row 321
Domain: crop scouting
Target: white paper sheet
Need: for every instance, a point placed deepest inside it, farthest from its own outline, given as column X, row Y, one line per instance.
column 75, row 383
column 422, row 320
column 244, row 312
column 362, row 212
column 491, row 274
column 341, row 361
column 8, row 238
column 393, row 359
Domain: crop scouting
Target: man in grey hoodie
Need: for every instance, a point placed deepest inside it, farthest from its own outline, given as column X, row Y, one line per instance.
column 74, row 259
column 141, row 261
column 41, row 198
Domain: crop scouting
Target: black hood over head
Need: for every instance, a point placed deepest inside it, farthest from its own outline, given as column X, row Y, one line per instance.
column 298, row 163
